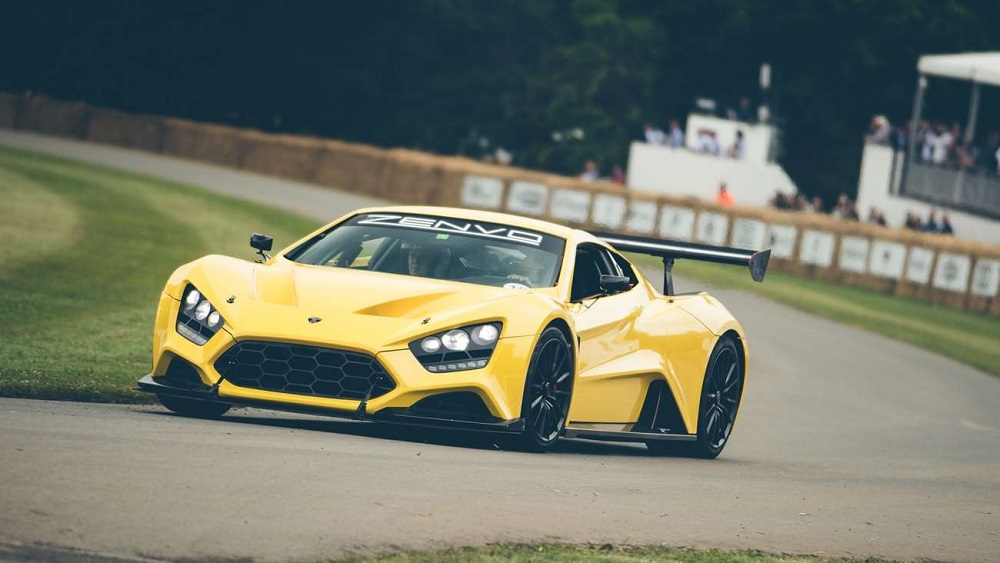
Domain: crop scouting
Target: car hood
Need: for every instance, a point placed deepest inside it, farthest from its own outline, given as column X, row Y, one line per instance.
column 363, row 310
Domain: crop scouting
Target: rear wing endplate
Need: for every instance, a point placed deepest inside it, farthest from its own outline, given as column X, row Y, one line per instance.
column 755, row 261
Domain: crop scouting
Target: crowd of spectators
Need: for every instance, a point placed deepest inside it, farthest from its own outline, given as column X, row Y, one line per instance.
column 940, row 144
column 705, row 141
column 847, row 210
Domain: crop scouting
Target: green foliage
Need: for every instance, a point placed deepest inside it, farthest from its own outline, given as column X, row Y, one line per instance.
column 467, row 76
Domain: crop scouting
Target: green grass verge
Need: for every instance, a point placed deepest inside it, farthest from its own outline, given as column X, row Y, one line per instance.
column 967, row 337
column 602, row 554
column 87, row 251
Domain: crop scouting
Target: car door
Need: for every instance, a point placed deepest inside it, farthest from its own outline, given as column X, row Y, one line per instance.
column 607, row 382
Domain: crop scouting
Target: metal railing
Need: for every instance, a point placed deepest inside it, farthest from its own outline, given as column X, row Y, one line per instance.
column 968, row 190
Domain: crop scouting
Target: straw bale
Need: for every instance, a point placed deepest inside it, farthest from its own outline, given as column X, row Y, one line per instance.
column 53, row 117
column 10, row 109
column 284, row 156
column 217, row 144
column 134, row 131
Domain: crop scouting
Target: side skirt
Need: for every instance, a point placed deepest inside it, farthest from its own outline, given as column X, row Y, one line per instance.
column 620, row 436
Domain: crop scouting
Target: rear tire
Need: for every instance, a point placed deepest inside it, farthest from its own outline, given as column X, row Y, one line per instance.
column 721, row 395
column 193, row 407
column 548, row 389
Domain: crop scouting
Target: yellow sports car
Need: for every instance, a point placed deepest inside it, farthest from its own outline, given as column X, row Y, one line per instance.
column 461, row 319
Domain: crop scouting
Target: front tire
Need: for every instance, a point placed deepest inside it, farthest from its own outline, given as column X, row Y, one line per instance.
column 720, row 402
column 193, row 407
column 548, row 389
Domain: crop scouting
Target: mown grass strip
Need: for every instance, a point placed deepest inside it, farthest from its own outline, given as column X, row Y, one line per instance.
column 971, row 338
column 592, row 554
column 90, row 253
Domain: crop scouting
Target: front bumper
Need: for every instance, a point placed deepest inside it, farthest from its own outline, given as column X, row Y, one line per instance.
column 499, row 385
column 388, row 415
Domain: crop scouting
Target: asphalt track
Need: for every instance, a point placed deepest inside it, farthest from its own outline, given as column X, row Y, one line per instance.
column 848, row 444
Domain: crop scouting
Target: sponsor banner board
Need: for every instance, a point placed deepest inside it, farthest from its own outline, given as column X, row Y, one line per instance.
column 713, row 228
column 608, row 210
column 919, row 264
column 527, row 198
column 817, row 248
column 986, row 278
column 853, row 254
column 782, row 241
column 641, row 217
column 570, row 205
column 952, row 272
column 887, row 259
column 749, row 233
column 676, row 222
column 482, row 191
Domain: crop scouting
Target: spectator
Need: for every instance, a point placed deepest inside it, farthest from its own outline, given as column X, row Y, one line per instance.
column 840, row 211
column 942, row 144
column 707, row 142
column 901, row 136
column 676, row 134
column 590, row 172
column 879, row 130
column 955, row 139
column 876, row 216
column 931, row 226
column 913, row 222
column 930, row 140
column 618, row 176
column 723, row 197
column 800, row 203
column 817, row 205
column 780, row 201
column 945, row 227
column 655, row 136
column 967, row 155
column 738, row 147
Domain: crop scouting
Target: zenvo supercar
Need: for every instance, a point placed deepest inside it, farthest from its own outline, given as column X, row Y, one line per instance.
column 451, row 318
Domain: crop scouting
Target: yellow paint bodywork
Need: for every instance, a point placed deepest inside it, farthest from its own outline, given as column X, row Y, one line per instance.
column 622, row 342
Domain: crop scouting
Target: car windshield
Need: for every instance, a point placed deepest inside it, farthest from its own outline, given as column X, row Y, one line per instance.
column 438, row 247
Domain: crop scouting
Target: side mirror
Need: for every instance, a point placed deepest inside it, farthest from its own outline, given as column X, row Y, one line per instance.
column 261, row 242
column 615, row 284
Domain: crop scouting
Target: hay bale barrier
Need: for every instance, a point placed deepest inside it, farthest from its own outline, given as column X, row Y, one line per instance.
column 285, row 156
column 10, row 109
column 216, row 144
column 936, row 269
column 142, row 132
column 53, row 117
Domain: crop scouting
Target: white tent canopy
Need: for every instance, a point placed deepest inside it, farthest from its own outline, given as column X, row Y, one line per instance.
column 982, row 68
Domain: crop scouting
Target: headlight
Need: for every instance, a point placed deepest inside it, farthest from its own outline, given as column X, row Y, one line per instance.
column 458, row 349
column 197, row 320
column 191, row 299
column 430, row 344
column 485, row 334
column 202, row 310
column 457, row 340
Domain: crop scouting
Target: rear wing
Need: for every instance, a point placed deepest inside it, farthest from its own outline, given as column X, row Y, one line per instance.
column 755, row 261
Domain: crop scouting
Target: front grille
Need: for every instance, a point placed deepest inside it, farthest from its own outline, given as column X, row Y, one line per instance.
column 463, row 405
column 304, row 370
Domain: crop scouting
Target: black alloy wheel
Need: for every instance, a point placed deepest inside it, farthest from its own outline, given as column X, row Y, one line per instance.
column 720, row 402
column 193, row 407
column 548, row 389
